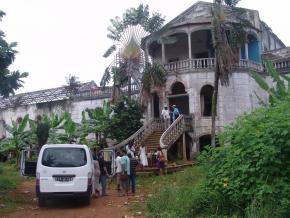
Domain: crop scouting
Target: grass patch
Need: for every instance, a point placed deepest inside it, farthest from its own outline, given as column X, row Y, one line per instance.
column 9, row 180
column 164, row 194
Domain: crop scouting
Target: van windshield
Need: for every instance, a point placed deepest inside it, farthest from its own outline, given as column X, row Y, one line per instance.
column 64, row 157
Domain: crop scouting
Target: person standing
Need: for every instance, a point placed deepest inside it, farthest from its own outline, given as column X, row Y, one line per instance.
column 97, row 173
column 143, row 156
column 104, row 173
column 125, row 165
column 175, row 112
column 166, row 117
column 130, row 148
column 132, row 177
column 160, row 161
column 118, row 169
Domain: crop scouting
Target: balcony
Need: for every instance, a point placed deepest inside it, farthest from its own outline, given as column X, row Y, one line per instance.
column 207, row 64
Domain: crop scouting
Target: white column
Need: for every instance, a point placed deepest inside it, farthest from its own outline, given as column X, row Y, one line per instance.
column 247, row 51
column 189, row 45
column 163, row 53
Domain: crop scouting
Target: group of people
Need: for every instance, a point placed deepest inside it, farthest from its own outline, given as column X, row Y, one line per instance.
column 125, row 169
column 168, row 116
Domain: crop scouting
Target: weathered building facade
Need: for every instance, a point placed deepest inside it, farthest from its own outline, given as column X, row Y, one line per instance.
column 190, row 64
column 56, row 100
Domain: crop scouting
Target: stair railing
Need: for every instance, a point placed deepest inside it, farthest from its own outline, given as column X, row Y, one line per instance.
column 141, row 134
column 175, row 130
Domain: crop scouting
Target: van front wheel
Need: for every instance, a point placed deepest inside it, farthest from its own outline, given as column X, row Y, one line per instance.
column 41, row 202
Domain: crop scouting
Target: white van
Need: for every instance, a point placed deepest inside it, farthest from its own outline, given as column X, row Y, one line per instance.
column 64, row 170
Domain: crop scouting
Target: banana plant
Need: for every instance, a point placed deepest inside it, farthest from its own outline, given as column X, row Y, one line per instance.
column 20, row 137
column 96, row 121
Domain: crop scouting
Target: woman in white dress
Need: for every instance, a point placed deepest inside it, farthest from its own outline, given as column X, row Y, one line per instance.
column 143, row 156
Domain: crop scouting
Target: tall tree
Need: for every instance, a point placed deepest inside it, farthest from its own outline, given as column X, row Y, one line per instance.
column 9, row 80
column 128, row 33
column 228, row 32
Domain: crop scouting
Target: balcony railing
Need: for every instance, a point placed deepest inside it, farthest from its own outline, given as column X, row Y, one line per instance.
column 207, row 63
column 103, row 92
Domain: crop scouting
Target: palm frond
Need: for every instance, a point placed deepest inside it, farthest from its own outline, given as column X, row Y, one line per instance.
column 110, row 51
column 106, row 77
column 260, row 80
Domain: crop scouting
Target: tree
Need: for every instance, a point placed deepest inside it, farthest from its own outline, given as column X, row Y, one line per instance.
column 154, row 76
column 126, row 119
column 228, row 32
column 73, row 84
column 9, row 80
column 128, row 33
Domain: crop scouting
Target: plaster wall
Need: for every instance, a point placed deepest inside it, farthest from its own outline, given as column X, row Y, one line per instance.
column 73, row 107
column 239, row 97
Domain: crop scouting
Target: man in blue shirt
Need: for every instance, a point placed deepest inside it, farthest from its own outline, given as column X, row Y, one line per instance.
column 175, row 112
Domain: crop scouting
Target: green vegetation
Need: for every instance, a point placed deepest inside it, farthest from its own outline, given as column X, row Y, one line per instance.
column 9, row 179
column 280, row 91
column 252, row 168
column 171, row 195
column 108, row 121
column 9, row 80
column 126, row 119
column 248, row 175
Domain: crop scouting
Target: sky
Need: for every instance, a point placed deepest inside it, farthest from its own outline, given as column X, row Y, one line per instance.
column 61, row 37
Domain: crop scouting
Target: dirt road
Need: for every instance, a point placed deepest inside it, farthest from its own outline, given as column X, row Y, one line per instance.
column 111, row 206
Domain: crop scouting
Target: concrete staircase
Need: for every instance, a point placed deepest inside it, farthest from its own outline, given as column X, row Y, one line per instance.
column 152, row 141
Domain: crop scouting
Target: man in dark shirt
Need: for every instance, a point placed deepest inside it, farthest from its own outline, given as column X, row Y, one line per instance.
column 104, row 173
column 132, row 177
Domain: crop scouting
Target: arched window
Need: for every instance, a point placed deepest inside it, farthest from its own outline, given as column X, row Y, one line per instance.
column 178, row 88
column 206, row 100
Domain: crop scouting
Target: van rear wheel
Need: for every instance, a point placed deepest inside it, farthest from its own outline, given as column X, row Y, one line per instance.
column 86, row 200
column 41, row 201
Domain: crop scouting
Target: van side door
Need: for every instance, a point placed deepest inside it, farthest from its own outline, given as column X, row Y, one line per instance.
column 109, row 157
column 28, row 162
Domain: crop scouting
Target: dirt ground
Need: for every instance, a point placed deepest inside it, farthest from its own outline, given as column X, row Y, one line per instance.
column 111, row 206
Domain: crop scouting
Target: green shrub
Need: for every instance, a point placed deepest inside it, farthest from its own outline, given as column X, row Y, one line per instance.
column 1, row 170
column 6, row 184
column 253, row 163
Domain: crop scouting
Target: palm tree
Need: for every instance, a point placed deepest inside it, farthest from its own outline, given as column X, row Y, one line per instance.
column 128, row 33
column 154, row 77
column 228, row 32
column 73, row 84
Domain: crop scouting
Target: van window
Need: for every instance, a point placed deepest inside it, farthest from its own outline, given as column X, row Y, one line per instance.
column 64, row 157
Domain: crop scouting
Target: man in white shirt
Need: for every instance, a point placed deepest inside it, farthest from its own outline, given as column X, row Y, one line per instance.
column 118, row 168
column 166, row 116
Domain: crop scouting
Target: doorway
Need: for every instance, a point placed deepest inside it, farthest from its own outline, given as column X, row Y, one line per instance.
column 156, row 107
